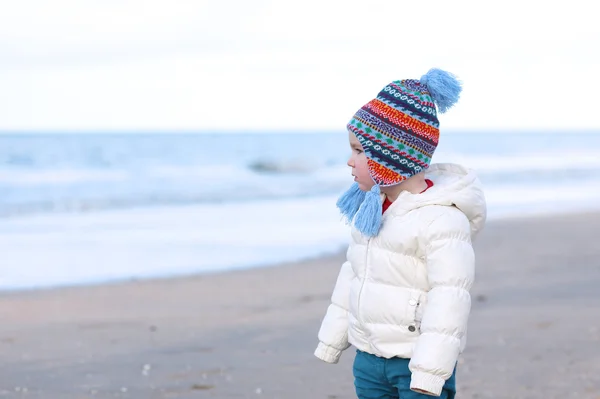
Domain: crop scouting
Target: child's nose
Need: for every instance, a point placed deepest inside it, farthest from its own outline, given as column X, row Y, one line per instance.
column 350, row 162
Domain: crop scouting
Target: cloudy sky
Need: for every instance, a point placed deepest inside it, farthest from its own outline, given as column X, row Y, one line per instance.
column 295, row 65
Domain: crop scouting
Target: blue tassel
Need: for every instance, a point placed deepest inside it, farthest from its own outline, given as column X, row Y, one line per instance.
column 350, row 201
column 443, row 86
column 368, row 218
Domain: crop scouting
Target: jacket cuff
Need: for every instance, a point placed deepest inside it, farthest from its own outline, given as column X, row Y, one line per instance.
column 430, row 383
column 327, row 353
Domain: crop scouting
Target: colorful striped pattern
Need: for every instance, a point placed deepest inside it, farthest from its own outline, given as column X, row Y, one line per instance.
column 399, row 131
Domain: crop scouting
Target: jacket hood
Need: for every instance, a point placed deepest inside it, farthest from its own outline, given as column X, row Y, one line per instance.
column 453, row 185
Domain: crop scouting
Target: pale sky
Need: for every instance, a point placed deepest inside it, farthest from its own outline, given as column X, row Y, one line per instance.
column 293, row 65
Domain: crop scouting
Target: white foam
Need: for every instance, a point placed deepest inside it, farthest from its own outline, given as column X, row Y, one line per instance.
column 54, row 250
column 50, row 177
column 509, row 201
column 543, row 161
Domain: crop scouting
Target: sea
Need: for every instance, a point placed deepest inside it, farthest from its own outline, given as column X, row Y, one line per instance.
column 106, row 207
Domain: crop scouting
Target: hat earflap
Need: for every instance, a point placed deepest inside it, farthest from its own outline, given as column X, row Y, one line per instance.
column 368, row 217
column 350, row 201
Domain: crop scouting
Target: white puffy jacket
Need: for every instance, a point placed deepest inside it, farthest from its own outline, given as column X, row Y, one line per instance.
column 405, row 292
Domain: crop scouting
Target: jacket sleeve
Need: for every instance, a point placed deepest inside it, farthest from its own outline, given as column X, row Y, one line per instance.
column 450, row 271
column 333, row 334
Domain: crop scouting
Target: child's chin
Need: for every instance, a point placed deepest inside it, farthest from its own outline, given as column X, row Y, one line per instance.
column 364, row 187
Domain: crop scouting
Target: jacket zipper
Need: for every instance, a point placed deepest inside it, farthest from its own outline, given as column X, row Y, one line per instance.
column 364, row 279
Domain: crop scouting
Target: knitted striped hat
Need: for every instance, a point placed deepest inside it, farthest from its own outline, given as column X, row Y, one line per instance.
column 399, row 131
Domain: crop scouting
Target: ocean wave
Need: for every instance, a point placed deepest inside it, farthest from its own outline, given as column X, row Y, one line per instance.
column 526, row 162
column 46, row 192
column 85, row 174
column 23, row 177
column 280, row 167
column 84, row 191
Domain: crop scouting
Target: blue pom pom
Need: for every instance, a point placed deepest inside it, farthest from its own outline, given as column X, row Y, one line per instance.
column 350, row 201
column 444, row 87
column 368, row 218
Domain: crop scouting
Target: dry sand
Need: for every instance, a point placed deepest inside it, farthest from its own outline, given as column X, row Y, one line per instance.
column 534, row 330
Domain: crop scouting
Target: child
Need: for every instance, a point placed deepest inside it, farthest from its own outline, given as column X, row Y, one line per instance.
column 402, row 297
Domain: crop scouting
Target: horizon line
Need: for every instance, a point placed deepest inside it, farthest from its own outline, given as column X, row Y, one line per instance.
column 7, row 132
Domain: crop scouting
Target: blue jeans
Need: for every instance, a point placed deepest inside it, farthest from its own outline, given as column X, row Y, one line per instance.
column 380, row 378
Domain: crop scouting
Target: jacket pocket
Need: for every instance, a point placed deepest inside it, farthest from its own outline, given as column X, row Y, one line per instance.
column 416, row 313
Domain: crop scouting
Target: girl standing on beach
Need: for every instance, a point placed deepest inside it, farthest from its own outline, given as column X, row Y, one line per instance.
column 402, row 297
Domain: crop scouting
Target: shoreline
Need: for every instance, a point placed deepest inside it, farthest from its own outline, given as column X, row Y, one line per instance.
column 323, row 255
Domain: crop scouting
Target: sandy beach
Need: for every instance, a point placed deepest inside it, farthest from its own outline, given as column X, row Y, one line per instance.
column 534, row 330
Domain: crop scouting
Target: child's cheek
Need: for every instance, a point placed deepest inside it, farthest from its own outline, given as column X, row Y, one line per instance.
column 363, row 164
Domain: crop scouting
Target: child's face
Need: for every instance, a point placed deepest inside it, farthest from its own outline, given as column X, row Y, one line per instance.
column 358, row 163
